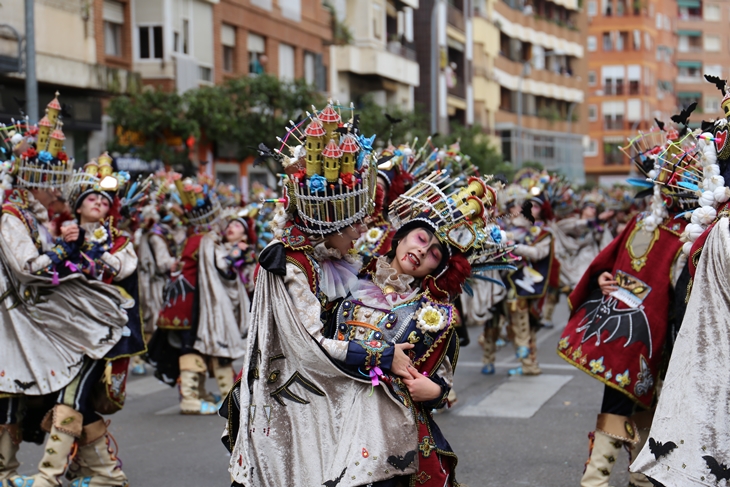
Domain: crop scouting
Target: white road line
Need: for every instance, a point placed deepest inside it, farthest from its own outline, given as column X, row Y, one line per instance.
column 512, row 364
column 171, row 410
column 517, row 397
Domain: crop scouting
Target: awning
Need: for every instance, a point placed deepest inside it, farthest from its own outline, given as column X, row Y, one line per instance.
column 689, row 64
column 688, row 3
column 689, row 33
column 135, row 164
column 689, row 94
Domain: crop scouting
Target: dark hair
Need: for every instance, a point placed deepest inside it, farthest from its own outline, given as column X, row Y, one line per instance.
column 417, row 225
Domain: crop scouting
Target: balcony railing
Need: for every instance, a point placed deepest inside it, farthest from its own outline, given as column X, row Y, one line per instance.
column 613, row 123
column 459, row 90
column 400, row 50
column 456, row 17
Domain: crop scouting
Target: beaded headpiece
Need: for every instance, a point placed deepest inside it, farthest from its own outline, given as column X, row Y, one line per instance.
column 330, row 177
column 198, row 199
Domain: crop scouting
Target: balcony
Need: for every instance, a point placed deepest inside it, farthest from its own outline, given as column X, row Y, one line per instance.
column 455, row 17
column 614, row 123
column 514, row 68
column 459, row 90
column 378, row 62
column 537, row 24
column 400, row 50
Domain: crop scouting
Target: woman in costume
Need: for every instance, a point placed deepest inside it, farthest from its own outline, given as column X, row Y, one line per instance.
column 403, row 298
column 48, row 345
column 202, row 325
column 622, row 310
column 295, row 390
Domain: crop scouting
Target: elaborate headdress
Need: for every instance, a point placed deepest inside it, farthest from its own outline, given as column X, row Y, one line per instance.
column 198, row 200
column 330, row 178
column 38, row 160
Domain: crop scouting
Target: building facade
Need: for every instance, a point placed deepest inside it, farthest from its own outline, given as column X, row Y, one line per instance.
column 444, row 37
column 631, row 78
column 377, row 58
column 703, row 48
column 540, row 70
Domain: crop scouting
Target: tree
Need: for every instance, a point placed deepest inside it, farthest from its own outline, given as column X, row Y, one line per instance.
column 153, row 125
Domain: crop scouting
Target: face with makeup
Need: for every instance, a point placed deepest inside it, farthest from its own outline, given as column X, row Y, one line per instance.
column 536, row 211
column 343, row 239
column 235, row 232
column 418, row 254
column 93, row 208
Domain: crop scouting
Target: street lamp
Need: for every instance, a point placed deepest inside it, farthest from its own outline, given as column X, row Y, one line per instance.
column 519, row 145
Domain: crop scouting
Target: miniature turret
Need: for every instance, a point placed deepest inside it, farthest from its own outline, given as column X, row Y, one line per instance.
column 349, row 148
column 57, row 140
column 44, row 130
column 53, row 109
column 315, row 143
column 330, row 121
column 331, row 156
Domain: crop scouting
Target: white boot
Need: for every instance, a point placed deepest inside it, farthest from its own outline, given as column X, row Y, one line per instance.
column 192, row 367
column 98, row 460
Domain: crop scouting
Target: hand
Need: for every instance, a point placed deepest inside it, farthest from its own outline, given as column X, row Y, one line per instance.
column 70, row 233
column 422, row 388
column 606, row 283
column 401, row 361
column 606, row 215
column 173, row 266
column 242, row 245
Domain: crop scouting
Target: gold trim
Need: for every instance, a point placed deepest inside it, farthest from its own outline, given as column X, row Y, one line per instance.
column 639, row 261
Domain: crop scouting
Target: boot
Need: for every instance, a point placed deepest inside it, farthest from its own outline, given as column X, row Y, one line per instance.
column 99, row 464
column 138, row 367
column 643, row 425
column 529, row 363
column 64, row 425
column 612, row 433
column 192, row 367
column 10, row 438
column 520, row 323
column 551, row 299
column 224, row 375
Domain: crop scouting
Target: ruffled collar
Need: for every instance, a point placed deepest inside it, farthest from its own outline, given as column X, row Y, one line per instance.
column 387, row 277
column 39, row 211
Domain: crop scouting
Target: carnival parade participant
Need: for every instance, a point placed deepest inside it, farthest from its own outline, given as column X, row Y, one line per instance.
column 688, row 441
column 404, row 298
column 157, row 251
column 62, row 332
column 307, row 267
column 203, row 322
column 538, row 272
column 621, row 312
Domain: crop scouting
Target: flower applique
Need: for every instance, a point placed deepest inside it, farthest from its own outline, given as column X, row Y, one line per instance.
column 430, row 319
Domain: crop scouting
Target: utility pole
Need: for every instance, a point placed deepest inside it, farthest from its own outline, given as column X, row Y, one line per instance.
column 31, row 83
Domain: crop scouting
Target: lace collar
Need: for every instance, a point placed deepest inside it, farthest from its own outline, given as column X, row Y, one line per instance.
column 386, row 277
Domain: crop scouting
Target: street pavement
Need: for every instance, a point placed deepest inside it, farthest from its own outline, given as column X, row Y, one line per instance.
column 506, row 431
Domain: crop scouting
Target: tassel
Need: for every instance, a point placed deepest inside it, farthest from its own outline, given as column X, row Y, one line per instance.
column 375, row 372
column 55, row 281
column 108, row 373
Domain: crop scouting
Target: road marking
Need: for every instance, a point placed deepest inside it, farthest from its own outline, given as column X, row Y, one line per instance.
column 171, row 410
column 143, row 387
column 517, row 397
column 511, row 364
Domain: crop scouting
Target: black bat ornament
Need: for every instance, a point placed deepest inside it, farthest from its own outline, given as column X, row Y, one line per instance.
column 402, row 462
column 660, row 449
column 719, row 470
column 333, row 483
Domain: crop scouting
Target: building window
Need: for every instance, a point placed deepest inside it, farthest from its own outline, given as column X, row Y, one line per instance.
column 310, row 68
column 206, row 74
column 622, row 41
column 712, row 104
column 591, row 44
column 592, row 113
column 150, row 42
column 592, row 8
column 591, row 78
column 113, row 28
column 185, row 36
column 607, row 44
column 377, row 21
column 713, row 70
column 713, row 12
column 286, row 62
column 712, row 43
column 228, row 40
column 612, row 155
column 256, row 54
column 592, row 149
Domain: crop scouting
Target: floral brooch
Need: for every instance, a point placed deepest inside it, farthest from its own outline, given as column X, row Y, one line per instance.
column 431, row 319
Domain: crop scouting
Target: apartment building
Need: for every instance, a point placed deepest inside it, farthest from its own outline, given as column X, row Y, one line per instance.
column 83, row 50
column 378, row 58
column 703, row 47
column 631, row 78
column 539, row 70
column 444, row 36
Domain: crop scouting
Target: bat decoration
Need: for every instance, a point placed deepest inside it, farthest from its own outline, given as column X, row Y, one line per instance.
column 333, row 483
column 707, row 126
column 719, row 470
column 660, row 449
column 108, row 337
column 66, row 110
column 659, row 124
column 402, row 462
column 20, row 103
column 25, row 385
column 603, row 314
column 527, row 211
column 385, row 159
column 683, row 116
column 342, row 130
column 393, row 120
column 721, row 84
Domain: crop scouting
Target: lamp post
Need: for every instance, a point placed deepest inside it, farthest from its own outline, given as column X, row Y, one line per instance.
column 31, row 83
column 519, row 145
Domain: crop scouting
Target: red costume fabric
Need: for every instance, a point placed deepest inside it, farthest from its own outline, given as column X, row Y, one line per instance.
column 178, row 311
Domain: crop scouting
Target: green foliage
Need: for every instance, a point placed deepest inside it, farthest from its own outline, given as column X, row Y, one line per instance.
column 533, row 164
column 155, row 118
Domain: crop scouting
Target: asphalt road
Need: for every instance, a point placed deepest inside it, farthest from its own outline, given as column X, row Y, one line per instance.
column 506, row 431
